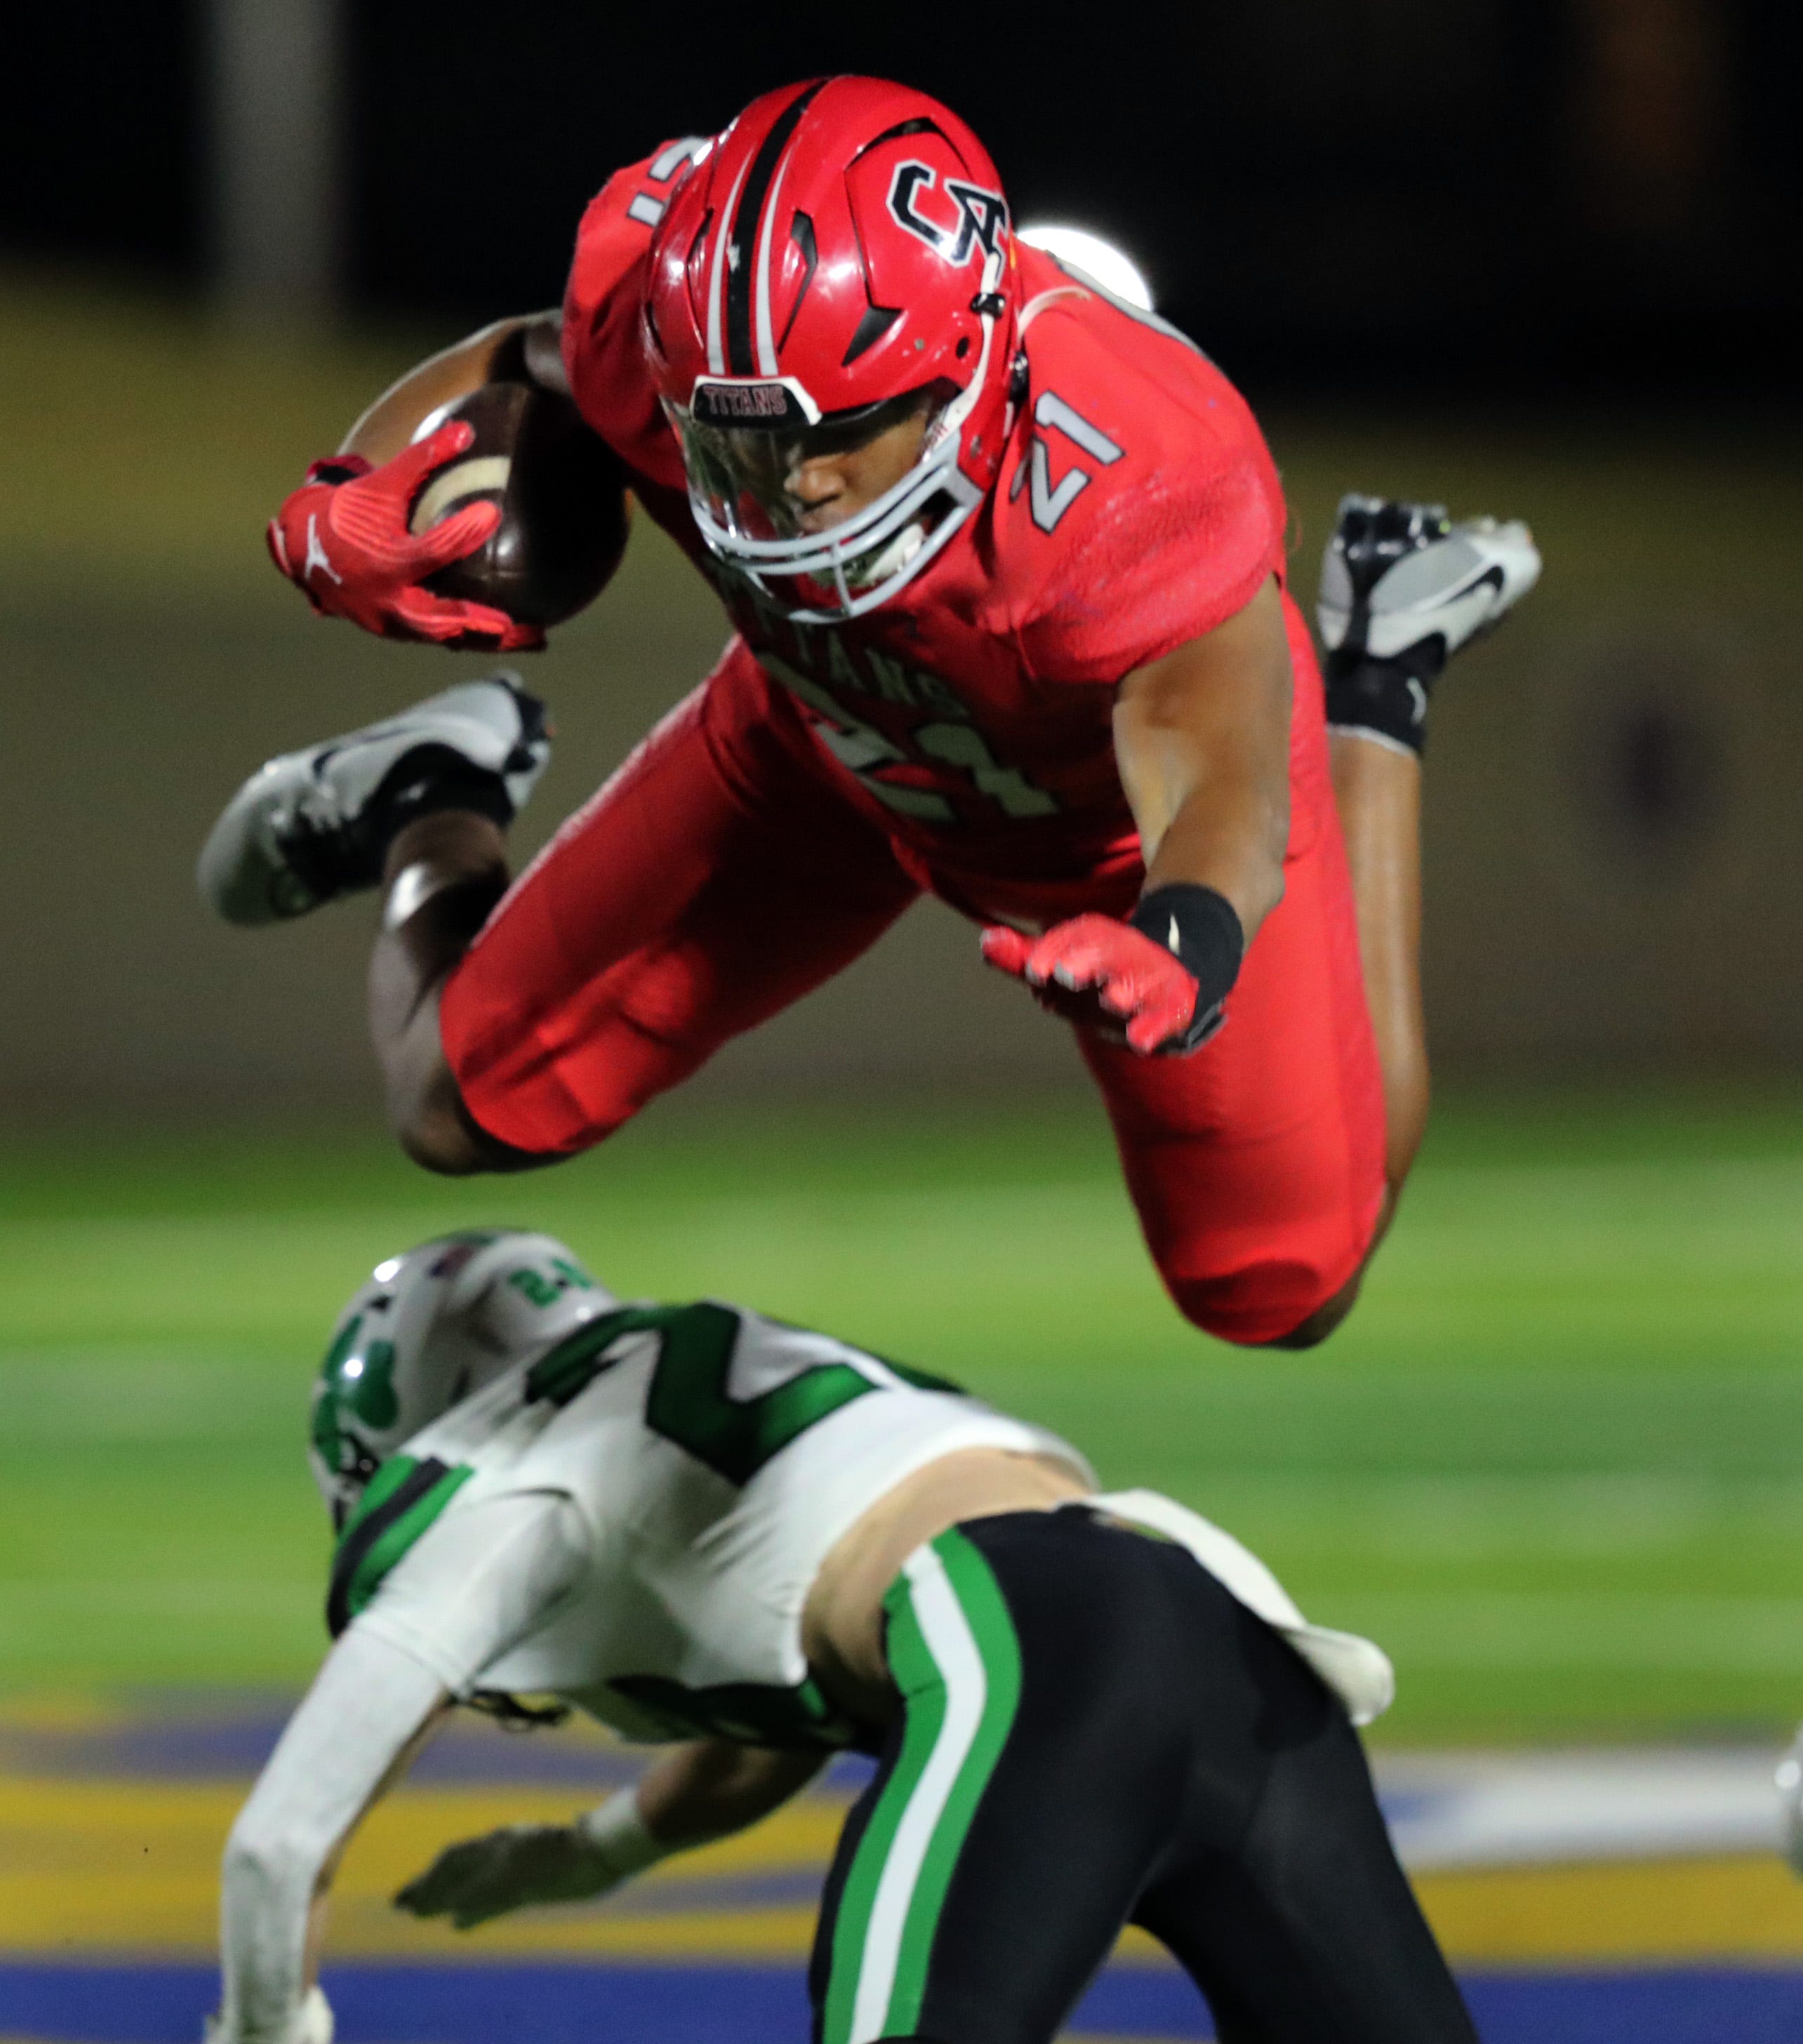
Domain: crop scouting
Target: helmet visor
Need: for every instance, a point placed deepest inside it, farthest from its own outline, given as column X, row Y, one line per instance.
column 758, row 480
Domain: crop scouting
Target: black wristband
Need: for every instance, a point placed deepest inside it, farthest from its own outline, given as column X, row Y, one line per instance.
column 1201, row 931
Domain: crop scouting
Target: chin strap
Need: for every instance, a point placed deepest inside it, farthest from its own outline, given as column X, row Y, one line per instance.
column 988, row 305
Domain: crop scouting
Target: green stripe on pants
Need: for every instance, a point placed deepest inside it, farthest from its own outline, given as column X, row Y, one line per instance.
column 953, row 1655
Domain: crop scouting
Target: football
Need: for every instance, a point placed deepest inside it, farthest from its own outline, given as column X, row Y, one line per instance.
column 562, row 498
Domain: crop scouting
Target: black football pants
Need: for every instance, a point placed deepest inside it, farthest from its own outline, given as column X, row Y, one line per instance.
column 1095, row 1732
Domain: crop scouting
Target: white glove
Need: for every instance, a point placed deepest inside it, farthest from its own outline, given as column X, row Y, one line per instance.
column 1790, row 1803
column 523, row 1864
column 310, row 2023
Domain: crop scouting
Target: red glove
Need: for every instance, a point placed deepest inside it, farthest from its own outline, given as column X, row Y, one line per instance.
column 1102, row 973
column 342, row 540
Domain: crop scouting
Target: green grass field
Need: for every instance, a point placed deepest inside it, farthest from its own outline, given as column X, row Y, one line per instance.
column 1553, row 1464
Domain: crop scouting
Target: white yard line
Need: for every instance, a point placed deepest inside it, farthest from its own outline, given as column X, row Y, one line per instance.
column 1450, row 1810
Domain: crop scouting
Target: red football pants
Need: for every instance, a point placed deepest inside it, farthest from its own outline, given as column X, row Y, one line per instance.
column 721, row 873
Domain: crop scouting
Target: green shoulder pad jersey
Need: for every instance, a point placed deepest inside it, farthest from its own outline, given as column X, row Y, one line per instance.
column 690, row 1467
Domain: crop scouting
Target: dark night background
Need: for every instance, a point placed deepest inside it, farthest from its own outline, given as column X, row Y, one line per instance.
column 1590, row 195
column 1536, row 257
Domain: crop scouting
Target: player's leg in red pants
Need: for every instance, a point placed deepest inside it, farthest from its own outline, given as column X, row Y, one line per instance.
column 1258, row 1163
column 713, row 881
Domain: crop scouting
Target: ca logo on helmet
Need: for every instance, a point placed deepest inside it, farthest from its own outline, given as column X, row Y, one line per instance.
column 981, row 215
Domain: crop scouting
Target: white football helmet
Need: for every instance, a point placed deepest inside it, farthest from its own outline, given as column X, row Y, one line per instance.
column 431, row 1326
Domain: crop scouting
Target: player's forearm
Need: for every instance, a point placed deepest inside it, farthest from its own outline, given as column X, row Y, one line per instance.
column 510, row 349
column 360, row 1721
column 1228, row 834
column 1202, row 741
column 714, row 1787
column 1209, row 816
column 265, row 1901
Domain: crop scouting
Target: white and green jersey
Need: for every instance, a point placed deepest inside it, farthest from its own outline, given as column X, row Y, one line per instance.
column 667, row 1481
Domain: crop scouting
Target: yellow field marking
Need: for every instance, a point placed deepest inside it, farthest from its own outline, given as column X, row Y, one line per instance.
column 91, row 1866
column 59, row 1710
column 1660, row 1910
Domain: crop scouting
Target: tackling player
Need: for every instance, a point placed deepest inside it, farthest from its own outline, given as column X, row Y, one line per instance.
column 762, row 1545
column 1005, row 556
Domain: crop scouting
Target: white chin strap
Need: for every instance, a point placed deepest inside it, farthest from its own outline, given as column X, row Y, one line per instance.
column 876, row 552
column 851, row 559
column 891, row 560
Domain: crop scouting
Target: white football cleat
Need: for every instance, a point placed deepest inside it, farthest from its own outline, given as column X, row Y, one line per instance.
column 314, row 824
column 1790, row 1803
column 1396, row 576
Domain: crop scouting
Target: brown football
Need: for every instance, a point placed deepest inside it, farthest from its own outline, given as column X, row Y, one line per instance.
column 562, row 497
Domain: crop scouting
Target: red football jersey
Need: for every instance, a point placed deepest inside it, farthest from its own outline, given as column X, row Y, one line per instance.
column 1137, row 508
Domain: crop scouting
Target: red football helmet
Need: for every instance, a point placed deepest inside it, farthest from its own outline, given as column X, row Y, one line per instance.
column 841, row 257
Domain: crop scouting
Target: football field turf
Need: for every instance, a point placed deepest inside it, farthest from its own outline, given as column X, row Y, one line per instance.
column 112, row 1813
column 1552, row 1463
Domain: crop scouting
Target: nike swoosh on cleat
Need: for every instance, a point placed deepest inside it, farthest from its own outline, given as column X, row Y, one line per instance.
column 1492, row 575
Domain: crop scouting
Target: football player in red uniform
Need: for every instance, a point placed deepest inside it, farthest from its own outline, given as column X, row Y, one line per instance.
column 1005, row 556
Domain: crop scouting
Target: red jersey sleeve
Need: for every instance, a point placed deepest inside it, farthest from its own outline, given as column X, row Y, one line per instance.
column 604, row 352
column 1142, row 506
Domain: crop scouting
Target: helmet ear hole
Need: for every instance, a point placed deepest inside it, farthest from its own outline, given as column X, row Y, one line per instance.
column 963, row 346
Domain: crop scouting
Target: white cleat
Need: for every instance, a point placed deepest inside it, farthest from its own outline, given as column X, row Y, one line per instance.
column 1396, row 575
column 314, row 824
column 1790, row 1803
